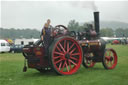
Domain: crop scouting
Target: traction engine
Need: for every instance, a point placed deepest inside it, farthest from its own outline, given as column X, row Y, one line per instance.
column 69, row 49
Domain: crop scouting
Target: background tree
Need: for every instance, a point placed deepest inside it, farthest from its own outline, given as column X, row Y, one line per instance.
column 18, row 33
column 121, row 32
column 106, row 32
column 73, row 25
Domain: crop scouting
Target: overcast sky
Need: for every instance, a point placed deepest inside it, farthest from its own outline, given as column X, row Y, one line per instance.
column 33, row 14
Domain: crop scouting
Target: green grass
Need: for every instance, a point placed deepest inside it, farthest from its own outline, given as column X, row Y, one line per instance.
column 11, row 72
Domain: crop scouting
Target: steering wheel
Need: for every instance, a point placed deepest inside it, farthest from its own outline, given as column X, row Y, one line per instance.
column 59, row 30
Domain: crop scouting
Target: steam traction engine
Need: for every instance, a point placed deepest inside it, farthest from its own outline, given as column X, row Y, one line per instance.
column 68, row 50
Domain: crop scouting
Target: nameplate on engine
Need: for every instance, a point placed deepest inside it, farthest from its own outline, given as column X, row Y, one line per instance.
column 93, row 43
column 84, row 44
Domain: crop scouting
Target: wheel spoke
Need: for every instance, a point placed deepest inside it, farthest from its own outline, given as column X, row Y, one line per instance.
column 113, row 58
column 72, row 62
column 56, row 57
column 69, row 64
column 71, row 46
column 107, row 57
column 73, row 58
column 66, row 66
column 64, row 44
column 60, row 65
column 63, row 66
column 109, row 53
column 58, row 53
column 67, row 46
column 58, row 49
column 62, row 47
column 111, row 63
column 107, row 61
column 58, row 61
column 73, row 50
column 75, row 54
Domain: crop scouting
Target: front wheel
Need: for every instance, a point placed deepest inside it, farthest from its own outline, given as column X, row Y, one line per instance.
column 88, row 60
column 109, row 59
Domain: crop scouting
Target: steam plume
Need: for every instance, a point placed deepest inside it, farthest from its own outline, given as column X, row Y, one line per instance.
column 85, row 4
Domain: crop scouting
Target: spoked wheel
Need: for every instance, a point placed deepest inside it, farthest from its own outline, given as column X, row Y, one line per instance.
column 109, row 59
column 66, row 56
column 87, row 60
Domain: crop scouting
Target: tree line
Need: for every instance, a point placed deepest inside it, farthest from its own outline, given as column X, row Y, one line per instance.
column 72, row 26
column 19, row 33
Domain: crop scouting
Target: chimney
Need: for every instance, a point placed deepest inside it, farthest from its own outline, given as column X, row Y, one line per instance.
column 96, row 22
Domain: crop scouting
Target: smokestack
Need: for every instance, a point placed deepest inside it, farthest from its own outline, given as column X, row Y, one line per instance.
column 96, row 22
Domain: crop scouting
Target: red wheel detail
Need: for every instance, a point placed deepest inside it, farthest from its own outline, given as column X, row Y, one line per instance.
column 67, row 67
column 73, row 58
column 71, row 46
column 73, row 50
column 110, row 59
column 62, row 47
column 58, row 53
column 72, row 62
column 60, row 65
column 87, row 62
column 75, row 54
column 67, row 47
column 58, row 49
column 58, row 61
column 66, row 56
column 57, row 57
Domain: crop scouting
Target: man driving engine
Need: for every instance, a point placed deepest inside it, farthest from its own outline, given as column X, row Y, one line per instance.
column 46, row 35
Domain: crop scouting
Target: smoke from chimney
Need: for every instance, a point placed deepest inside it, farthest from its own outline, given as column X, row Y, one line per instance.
column 85, row 4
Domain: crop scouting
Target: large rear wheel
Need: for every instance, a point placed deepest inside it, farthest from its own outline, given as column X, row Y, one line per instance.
column 66, row 56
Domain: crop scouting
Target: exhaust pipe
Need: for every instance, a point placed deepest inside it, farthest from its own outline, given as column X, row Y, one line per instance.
column 96, row 22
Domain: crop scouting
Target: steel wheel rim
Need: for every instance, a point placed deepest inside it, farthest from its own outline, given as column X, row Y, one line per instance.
column 67, row 56
column 110, row 58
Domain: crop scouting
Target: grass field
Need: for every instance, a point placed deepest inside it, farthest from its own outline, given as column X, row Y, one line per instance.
column 11, row 72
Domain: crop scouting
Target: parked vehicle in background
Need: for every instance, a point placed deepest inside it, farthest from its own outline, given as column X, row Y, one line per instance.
column 4, row 46
column 25, row 41
column 120, row 41
column 115, row 42
column 16, row 48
